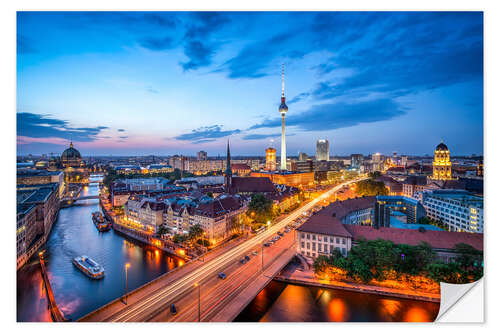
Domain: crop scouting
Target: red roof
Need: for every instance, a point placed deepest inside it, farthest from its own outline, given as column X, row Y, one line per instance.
column 240, row 166
column 436, row 239
column 328, row 220
column 251, row 184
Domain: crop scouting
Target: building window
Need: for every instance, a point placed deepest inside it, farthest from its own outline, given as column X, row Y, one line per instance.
column 343, row 241
column 313, row 237
column 302, row 244
column 314, row 246
column 338, row 240
column 308, row 246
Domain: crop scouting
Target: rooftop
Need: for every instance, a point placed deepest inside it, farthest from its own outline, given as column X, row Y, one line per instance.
column 436, row 239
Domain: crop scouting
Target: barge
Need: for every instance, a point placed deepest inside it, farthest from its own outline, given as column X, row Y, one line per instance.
column 100, row 222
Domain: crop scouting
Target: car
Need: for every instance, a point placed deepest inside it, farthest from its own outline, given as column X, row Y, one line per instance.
column 254, row 253
column 280, row 233
column 287, row 230
column 173, row 310
column 247, row 258
column 222, row 276
column 243, row 261
column 267, row 244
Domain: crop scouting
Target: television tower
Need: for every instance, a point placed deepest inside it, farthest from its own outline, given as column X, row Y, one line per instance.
column 283, row 110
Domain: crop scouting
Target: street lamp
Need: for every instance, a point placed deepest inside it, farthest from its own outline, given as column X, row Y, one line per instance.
column 127, row 265
column 199, row 301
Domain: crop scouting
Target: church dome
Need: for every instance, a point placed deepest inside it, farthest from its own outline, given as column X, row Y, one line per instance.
column 442, row 147
column 70, row 153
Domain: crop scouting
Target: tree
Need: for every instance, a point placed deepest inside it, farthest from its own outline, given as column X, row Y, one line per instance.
column 195, row 232
column 370, row 187
column 162, row 230
column 260, row 208
column 374, row 175
column 179, row 238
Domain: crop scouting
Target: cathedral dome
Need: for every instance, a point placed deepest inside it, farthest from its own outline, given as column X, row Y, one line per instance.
column 442, row 147
column 70, row 153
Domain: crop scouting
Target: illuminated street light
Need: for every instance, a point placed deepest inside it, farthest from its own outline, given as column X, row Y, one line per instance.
column 127, row 265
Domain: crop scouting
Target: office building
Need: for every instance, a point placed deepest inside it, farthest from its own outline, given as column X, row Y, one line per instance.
column 322, row 150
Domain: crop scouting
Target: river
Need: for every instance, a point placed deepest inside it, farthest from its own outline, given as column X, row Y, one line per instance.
column 282, row 302
column 74, row 234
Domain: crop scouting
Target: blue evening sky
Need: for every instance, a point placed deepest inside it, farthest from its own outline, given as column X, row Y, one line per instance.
column 177, row 82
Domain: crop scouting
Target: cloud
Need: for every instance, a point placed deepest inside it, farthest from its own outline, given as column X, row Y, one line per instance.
column 260, row 136
column 324, row 117
column 298, row 98
column 44, row 126
column 199, row 55
column 206, row 134
column 252, row 59
column 199, row 46
column 157, row 44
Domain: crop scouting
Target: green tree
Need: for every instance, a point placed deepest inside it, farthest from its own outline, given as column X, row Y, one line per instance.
column 195, row 231
column 179, row 238
column 370, row 187
column 162, row 230
column 260, row 208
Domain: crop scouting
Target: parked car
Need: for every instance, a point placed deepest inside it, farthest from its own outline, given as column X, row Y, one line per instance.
column 222, row 276
column 254, row 253
column 267, row 244
column 173, row 310
column 247, row 258
column 243, row 261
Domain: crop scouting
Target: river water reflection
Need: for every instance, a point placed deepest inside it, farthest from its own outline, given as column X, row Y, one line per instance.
column 281, row 302
column 73, row 235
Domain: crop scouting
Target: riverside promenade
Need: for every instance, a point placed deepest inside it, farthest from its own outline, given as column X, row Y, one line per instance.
column 307, row 278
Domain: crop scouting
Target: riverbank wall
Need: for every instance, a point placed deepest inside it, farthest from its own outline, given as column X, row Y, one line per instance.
column 368, row 289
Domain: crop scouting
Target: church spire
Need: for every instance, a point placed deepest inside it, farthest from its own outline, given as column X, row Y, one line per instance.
column 228, row 177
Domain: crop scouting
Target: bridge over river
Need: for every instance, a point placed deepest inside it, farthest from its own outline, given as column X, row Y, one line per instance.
column 196, row 289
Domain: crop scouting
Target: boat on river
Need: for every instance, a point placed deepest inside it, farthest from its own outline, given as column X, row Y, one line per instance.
column 89, row 267
column 100, row 222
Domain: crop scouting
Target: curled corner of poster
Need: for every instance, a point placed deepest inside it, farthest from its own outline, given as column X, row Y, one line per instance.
column 462, row 303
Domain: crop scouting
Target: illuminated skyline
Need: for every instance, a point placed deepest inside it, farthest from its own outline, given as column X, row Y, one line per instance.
column 163, row 83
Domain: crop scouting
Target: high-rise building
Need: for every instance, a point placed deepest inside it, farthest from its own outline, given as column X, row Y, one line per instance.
column 322, row 150
column 441, row 167
column 303, row 157
column 270, row 159
column 201, row 155
column 404, row 160
column 376, row 158
column 356, row 160
column 283, row 109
